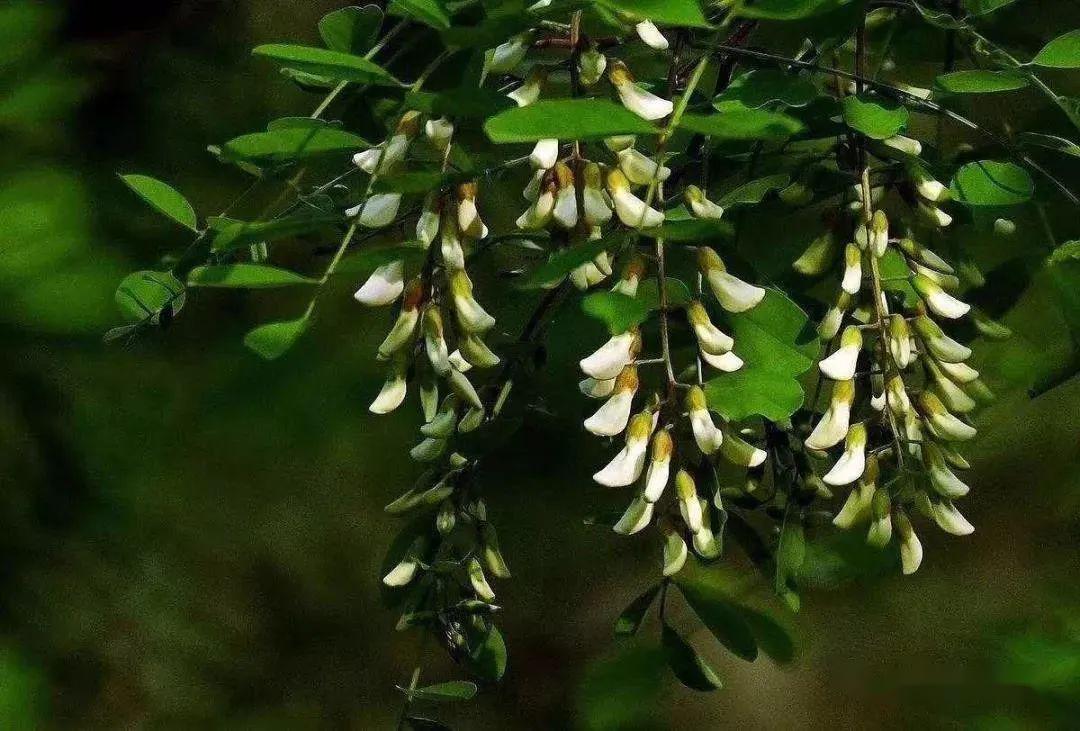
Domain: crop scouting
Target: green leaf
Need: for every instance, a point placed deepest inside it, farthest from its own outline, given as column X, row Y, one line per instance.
column 245, row 276
column 455, row 690
column 285, row 143
column 790, row 554
column 1049, row 142
column 685, row 13
column 690, row 229
column 562, row 263
column 939, row 18
column 618, row 311
column 1061, row 53
column 773, row 639
column 330, row 64
column 565, row 119
column 689, row 667
column 274, row 339
column 150, row 296
column 352, row 29
column 741, row 123
column 877, row 119
column 465, row 103
column 720, row 615
column 367, row 260
column 164, row 199
column 786, row 9
column 980, row 82
column 488, row 660
column 678, row 294
column 992, row 183
column 778, row 343
column 629, row 622
column 623, row 691
column 428, row 12
column 754, row 192
column 235, row 234
column 761, row 87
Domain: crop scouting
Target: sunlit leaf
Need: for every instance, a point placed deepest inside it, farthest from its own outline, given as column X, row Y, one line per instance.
column 992, row 183
column 150, row 296
column 245, row 276
column 454, row 690
column 164, row 199
column 742, row 124
column 761, row 87
column 664, row 12
column 274, row 339
column 980, row 81
column 616, row 310
column 331, row 64
column 565, row 119
column 351, row 29
column 284, row 144
column 428, row 12
column 1061, row 53
column 875, row 118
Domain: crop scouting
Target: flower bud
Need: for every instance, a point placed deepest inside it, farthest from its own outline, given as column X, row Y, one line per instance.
column 378, row 211
column 439, row 132
column 950, row 520
column 840, row 366
column 471, row 316
column 631, row 277
column 933, row 215
column 881, row 527
column 651, row 35
column 640, row 169
column 611, row 357
column 539, row 213
column 710, row 338
column 434, row 341
column 611, row 418
column 727, row 362
column 428, row 450
column 594, row 388
column 393, row 391
column 857, row 507
column 446, row 518
column 818, row 256
column 1004, row 227
column 925, row 256
column 852, row 462
column 899, row 341
column 656, row 478
column 834, row 317
column 906, row 145
column 506, row 56
column 943, row 479
column 636, row 517
column 689, row 506
column 427, row 226
column 701, row 206
column 591, row 66
column 874, row 235
column 938, row 343
column 479, row 581
column 594, row 200
column 469, row 222
column 544, row 155
column 565, row 210
column 852, row 281
column 953, row 396
column 453, row 255
column 675, row 550
column 707, row 436
column 631, row 210
column 734, row 294
column 637, row 100
column 833, row 426
column 940, row 302
column 943, row 424
column 896, row 396
column 988, row 327
column 529, row 91
column 384, row 285
column 404, row 572
column 465, row 391
column 738, row 451
column 926, row 186
column 911, row 551
column 404, row 327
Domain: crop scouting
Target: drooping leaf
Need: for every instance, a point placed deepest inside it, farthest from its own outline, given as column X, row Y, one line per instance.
column 274, row 339
column 351, row 29
column 790, row 553
column 454, row 690
column 622, row 691
column 562, row 263
column 875, row 118
column 488, row 658
column 164, row 199
column 940, row 18
column 565, row 119
column 235, row 234
column 777, row 343
column 742, row 123
column 761, row 87
column 720, row 615
column 1049, row 142
column 1061, row 53
column 287, row 143
column 689, row 667
column 980, row 81
column 992, row 183
column 754, row 192
column 629, row 622
column 772, row 638
column 330, row 64
column 428, row 12
column 616, row 310
column 465, row 103
column 150, row 296
column 685, row 13
column 245, row 276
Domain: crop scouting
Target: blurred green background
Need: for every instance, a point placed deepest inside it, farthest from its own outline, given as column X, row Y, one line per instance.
column 192, row 537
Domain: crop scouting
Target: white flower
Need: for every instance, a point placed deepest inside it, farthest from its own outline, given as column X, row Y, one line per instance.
column 385, row 157
column 911, row 551
column 856, row 507
column 710, row 338
column 689, row 506
column 701, row 206
column 833, row 426
column 641, row 169
column 565, row 211
column 469, row 222
column 852, row 281
column 934, row 215
column 631, row 277
column 471, row 316
column 586, row 275
column 465, row 390
column 959, row 372
column 881, row 527
column 405, row 326
column 941, row 421
column 611, row 357
column 544, row 155
column 899, row 341
column 434, row 341
column 539, row 213
column 377, row 211
column 529, row 91
column 427, row 226
column 954, row 397
column 631, row 210
column 707, row 436
column 476, row 352
column 675, row 551
column 897, row 397
column 593, row 199
column 840, row 366
column 903, row 144
column 625, row 468
column 636, row 517
column 950, row 520
column 940, row 302
column 439, row 132
column 428, row 450
column 1004, row 227
column 479, row 582
column 384, row 285
column 938, row 343
column 924, row 255
column 852, row 462
column 656, row 478
column 611, row 418
column 505, row 57
column 734, row 294
column 739, row 452
column 594, row 388
column 926, row 186
column 591, row 66
column 651, row 35
column 834, row 317
column 453, row 256
column 393, row 391
column 637, row 100
column 727, row 362
column 944, row 480
column 874, row 235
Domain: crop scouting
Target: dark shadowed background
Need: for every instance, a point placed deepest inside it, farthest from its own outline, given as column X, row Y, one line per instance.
column 191, row 537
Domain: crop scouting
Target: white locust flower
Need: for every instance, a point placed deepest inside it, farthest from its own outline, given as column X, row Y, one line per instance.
column 611, row 357
column 401, row 334
column 428, row 450
column 675, row 551
column 940, row 302
column 611, row 418
column 651, row 35
column 925, row 256
column 640, row 169
column 926, row 186
column 625, row 468
column 453, row 255
column 469, row 222
column 544, row 155
column 710, row 338
column 476, row 352
column 435, row 342
column 642, row 103
column 619, row 142
column 565, row 210
column 471, row 316
column 427, row 226
column 393, row 391
column 586, row 275
column 726, row 362
column 896, row 396
column 943, row 423
column 636, row 518
column 631, row 277
column 632, row 211
column 934, row 215
column 701, row 206
column 943, row 479
column 594, row 199
column 706, row 435
column 906, row 145
column 439, row 132
column 378, row 211
column 738, row 451
column 383, row 158
column 656, row 478
column 529, row 91
column 402, row 574
column 938, row 343
column 874, row 235
column 857, row 507
column 852, row 462
column 833, row 426
column 881, row 527
column 952, row 395
column 594, row 388
column 705, row 543
column 479, row 582
column 591, row 66
column 840, row 366
column 950, row 520
column 959, row 372
column 689, row 506
column 734, row 294
column 911, row 550
column 506, row 56
column 852, row 281
column 818, row 256
column 834, row 317
column 899, row 341
column 461, row 385
column 1004, row 227
column 384, row 285
column 539, row 213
